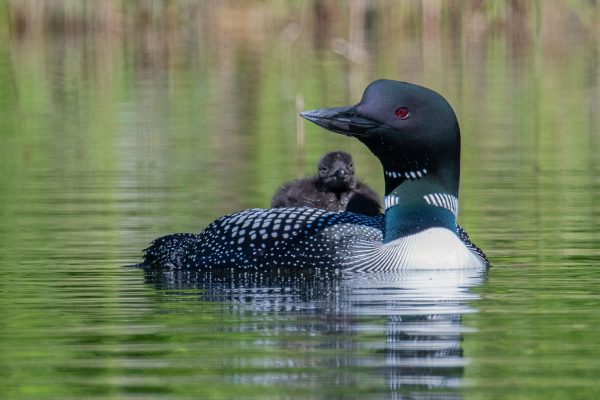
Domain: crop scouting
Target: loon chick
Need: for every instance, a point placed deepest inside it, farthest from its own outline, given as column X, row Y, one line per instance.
column 334, row 188
column 415, row 134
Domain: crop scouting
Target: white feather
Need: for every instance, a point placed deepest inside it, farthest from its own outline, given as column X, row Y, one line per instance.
column 434, row 248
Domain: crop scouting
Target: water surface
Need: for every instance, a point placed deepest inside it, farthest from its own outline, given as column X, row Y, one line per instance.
column 121, row 122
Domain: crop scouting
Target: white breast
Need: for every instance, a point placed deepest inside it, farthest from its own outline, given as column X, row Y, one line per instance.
column 434, row 248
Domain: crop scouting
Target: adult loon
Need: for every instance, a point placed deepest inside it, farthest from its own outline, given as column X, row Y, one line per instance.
column 414, row 133
column 333, row 188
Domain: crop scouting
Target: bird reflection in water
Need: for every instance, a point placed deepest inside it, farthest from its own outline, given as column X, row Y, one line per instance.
column 415, row 318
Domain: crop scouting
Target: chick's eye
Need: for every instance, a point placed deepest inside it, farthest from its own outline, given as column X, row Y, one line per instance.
column 402, row 112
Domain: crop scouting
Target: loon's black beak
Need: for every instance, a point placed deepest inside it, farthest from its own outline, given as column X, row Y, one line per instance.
column 344, row 120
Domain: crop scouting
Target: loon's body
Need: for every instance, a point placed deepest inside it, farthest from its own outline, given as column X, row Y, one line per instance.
column 414, row 133
column 333, row 188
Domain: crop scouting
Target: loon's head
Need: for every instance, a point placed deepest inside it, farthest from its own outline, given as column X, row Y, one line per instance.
column 411, row 129
column 336, row 171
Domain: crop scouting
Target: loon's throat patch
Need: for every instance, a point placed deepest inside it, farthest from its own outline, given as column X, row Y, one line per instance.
column 406, row 174
column 390, row 201
column 444, row 200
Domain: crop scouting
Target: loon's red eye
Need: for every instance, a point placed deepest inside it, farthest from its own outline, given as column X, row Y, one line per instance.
column 402, row 112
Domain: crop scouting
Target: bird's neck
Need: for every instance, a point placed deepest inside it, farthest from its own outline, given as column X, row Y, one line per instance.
column 415, row 204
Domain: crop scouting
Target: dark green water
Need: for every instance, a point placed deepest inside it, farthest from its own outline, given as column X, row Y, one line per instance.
column 121, row 122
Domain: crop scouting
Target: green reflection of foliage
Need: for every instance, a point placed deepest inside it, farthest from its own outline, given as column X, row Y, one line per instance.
column 121, row 121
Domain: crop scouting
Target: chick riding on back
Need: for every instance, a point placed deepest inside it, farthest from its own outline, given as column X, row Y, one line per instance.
column 334, row 188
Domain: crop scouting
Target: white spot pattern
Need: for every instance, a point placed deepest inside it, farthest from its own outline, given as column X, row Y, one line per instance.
column 322, row 239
